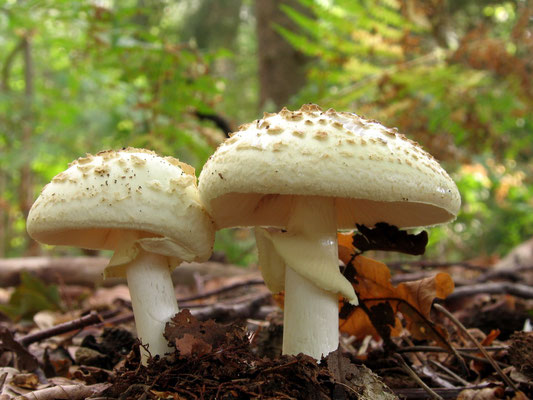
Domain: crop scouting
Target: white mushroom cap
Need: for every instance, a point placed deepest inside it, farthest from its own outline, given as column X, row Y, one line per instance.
column 133, row 193
column 375, row 174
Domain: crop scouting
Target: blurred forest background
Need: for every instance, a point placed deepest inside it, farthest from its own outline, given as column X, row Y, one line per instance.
column 172, row 76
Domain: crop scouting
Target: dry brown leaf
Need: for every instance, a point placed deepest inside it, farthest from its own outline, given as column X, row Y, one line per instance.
column 192, row 336
column 381, row 301
column 479, row 366
column 481, row 394
column 346, row 248
column 372, row 283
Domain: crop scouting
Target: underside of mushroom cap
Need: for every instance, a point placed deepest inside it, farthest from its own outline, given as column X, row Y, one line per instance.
column 375, row 174
column 102, row 198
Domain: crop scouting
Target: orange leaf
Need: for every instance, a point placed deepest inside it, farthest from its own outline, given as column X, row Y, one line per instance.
column 479, row 366
column 346, row 247
column 490, row 337
column 377, row 295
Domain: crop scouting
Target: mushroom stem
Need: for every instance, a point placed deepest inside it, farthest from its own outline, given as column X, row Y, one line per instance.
column 311, row 319
column 153, row 300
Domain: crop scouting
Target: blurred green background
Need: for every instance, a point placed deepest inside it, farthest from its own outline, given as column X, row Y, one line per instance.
column 171, row 76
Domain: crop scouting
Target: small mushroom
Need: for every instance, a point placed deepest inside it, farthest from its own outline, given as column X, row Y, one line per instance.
column 146, row 209
column 320, row 172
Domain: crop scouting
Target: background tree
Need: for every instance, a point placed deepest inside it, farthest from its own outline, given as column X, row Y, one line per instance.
column 281, row 66
column 454, row 75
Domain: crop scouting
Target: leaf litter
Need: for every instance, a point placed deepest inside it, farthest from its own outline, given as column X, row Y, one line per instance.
column 396, row 333
column 213, row 360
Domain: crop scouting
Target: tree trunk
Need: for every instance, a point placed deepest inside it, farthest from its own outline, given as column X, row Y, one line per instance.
column 281, row 67
column 26, row 175
column 214, row 24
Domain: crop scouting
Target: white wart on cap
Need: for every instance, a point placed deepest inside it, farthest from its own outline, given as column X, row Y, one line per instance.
column 309, row 173
column 145, row 208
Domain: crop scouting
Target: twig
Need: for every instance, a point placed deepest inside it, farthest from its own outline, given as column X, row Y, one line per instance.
column 223, row 289
column 507, row 273
column 484, row 360
column 87, row 320
column 437, row 378
column 225, row 312
column 445, row 393
column 436, row 264
column 279, row 367
column 219, row 311
column 416, row 378
column 449, row 372
column 478, row 345
column 411, row 344
column 437, row 349
column 515, row 289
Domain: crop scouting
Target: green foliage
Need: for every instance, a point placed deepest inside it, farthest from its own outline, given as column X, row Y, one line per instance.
column 30, row 297
column 497, row 200
column 132, row 73
column 237, row 245
column 461, row 88
column 98, row 77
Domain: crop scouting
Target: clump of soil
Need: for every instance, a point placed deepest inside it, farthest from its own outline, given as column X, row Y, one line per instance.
column 521, row 352
column 217, row 361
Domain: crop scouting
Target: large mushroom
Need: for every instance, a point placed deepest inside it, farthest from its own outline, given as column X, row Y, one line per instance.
column 305, row 174
column 146, row 209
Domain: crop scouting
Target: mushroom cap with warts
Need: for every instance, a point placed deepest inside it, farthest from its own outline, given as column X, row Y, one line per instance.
column 101, row 199
column 374, row 173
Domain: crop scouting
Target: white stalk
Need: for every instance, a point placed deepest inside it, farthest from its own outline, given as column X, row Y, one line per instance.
column 153, row 300
column 311, row 319
column 310, row 251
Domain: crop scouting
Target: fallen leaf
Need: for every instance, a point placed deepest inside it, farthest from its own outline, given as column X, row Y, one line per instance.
column 166, row 395
column 25, row 360
column 26, row 381
column 346, row 247
column 30, row 297
column 189, row 345
column 481, row 394
column 191, row 336
column 479, row 366
column 381, row 301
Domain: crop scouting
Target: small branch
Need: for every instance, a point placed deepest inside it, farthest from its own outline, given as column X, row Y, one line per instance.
column 436, row 349
column 229, row 312
column 223, row 289
column 478, row 345
column 515, row 289
column 512, row 274
column 435, row 264
column 416, row 393
column 448, row 371
column 219, row 311
column 82, row 322
column 416, row 378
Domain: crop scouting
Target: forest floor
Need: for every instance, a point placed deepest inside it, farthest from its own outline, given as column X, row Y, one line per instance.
column 86, row 348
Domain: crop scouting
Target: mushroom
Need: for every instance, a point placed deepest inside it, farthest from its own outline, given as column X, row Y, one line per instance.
column 146, row 209
column 299, row 176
